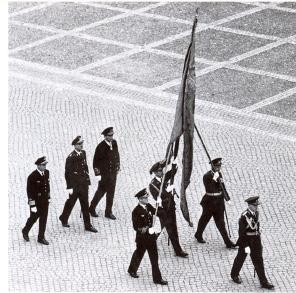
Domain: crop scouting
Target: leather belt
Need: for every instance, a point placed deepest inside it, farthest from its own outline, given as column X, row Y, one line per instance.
column 214, row 194
column 252, row 233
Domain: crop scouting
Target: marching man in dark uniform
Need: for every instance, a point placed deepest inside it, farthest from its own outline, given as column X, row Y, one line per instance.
column 168, row 215
column 38, row 191
column 106, row 164
column 77, row 180
column 213, row 203
column 142, row 217
column 249, row 241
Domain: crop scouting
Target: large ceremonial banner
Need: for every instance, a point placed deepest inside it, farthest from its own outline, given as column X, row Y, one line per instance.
column 184, row 121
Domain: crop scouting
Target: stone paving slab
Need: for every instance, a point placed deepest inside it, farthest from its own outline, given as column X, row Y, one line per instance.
column 163, row 69
column 68, row 52
column 236, row 88
column 216, row 45
column 282, row 24
column 285, row 108
column 142, row 30
column 209, row 11
column 281, row 59
column 66, row 15
column 19, row 35
column 128, row 5
column 18, row 6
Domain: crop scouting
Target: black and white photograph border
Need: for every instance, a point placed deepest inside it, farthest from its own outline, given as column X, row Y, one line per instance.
column 76, row 68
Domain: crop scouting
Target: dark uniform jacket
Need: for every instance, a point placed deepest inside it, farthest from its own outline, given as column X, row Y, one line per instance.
column 249, row 227
column 212, row 186
column 166, row 197
column 107, row 161
column 38, row 189
column 141, row 218
column 76, row 170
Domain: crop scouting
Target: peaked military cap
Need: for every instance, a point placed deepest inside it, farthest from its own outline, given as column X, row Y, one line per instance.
column 157, row 166
column 141, row 193
column 216, row 162
column 253, row 200
column 77, row 140
column 41, row 161
column 107, row 130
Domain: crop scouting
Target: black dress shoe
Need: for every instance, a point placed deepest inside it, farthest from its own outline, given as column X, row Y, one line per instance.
column 236, row 279
column 161, row 282
column 110, row 216
column 199, row 238
column 93, row 213
column 133, row 274
column 25, row 235
column 43, row 241
column 91, row 229
column 64, row 224
column 231, row 245
column 267, row 285
column 182, row 254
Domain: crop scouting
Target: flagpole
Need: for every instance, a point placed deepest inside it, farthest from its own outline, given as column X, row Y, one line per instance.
column 221, row 185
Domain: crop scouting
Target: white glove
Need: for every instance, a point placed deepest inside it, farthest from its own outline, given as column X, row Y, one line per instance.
column 48, row 200
column 168, row 168
column 99, row 177
column 70, row 190
column 158, row 200
column 170, row 188
column 151, row 230
column 216, row 176
column 33, row 209
column 247, row 250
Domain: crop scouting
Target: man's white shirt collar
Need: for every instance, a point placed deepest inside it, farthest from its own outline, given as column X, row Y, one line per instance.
column 109, row 144
column 144, row 206
column 41, row 173
column 79, row 153
column 253, row 213
column 158, row 179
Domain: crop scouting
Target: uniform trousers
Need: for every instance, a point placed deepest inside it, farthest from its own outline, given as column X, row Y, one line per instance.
column 42, row 212
column 106, row 185
column 169, row 221
column 213, row 207
column 151, row 246
column 254, row 242
column 79, row 192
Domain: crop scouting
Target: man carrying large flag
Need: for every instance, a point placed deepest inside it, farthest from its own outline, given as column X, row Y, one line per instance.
column 183, row 124
column 167, row 216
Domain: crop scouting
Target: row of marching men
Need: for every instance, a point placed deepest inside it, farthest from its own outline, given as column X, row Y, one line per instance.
column 106, row 165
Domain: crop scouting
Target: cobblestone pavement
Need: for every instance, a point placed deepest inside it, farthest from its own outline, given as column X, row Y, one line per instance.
column 76, row 68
